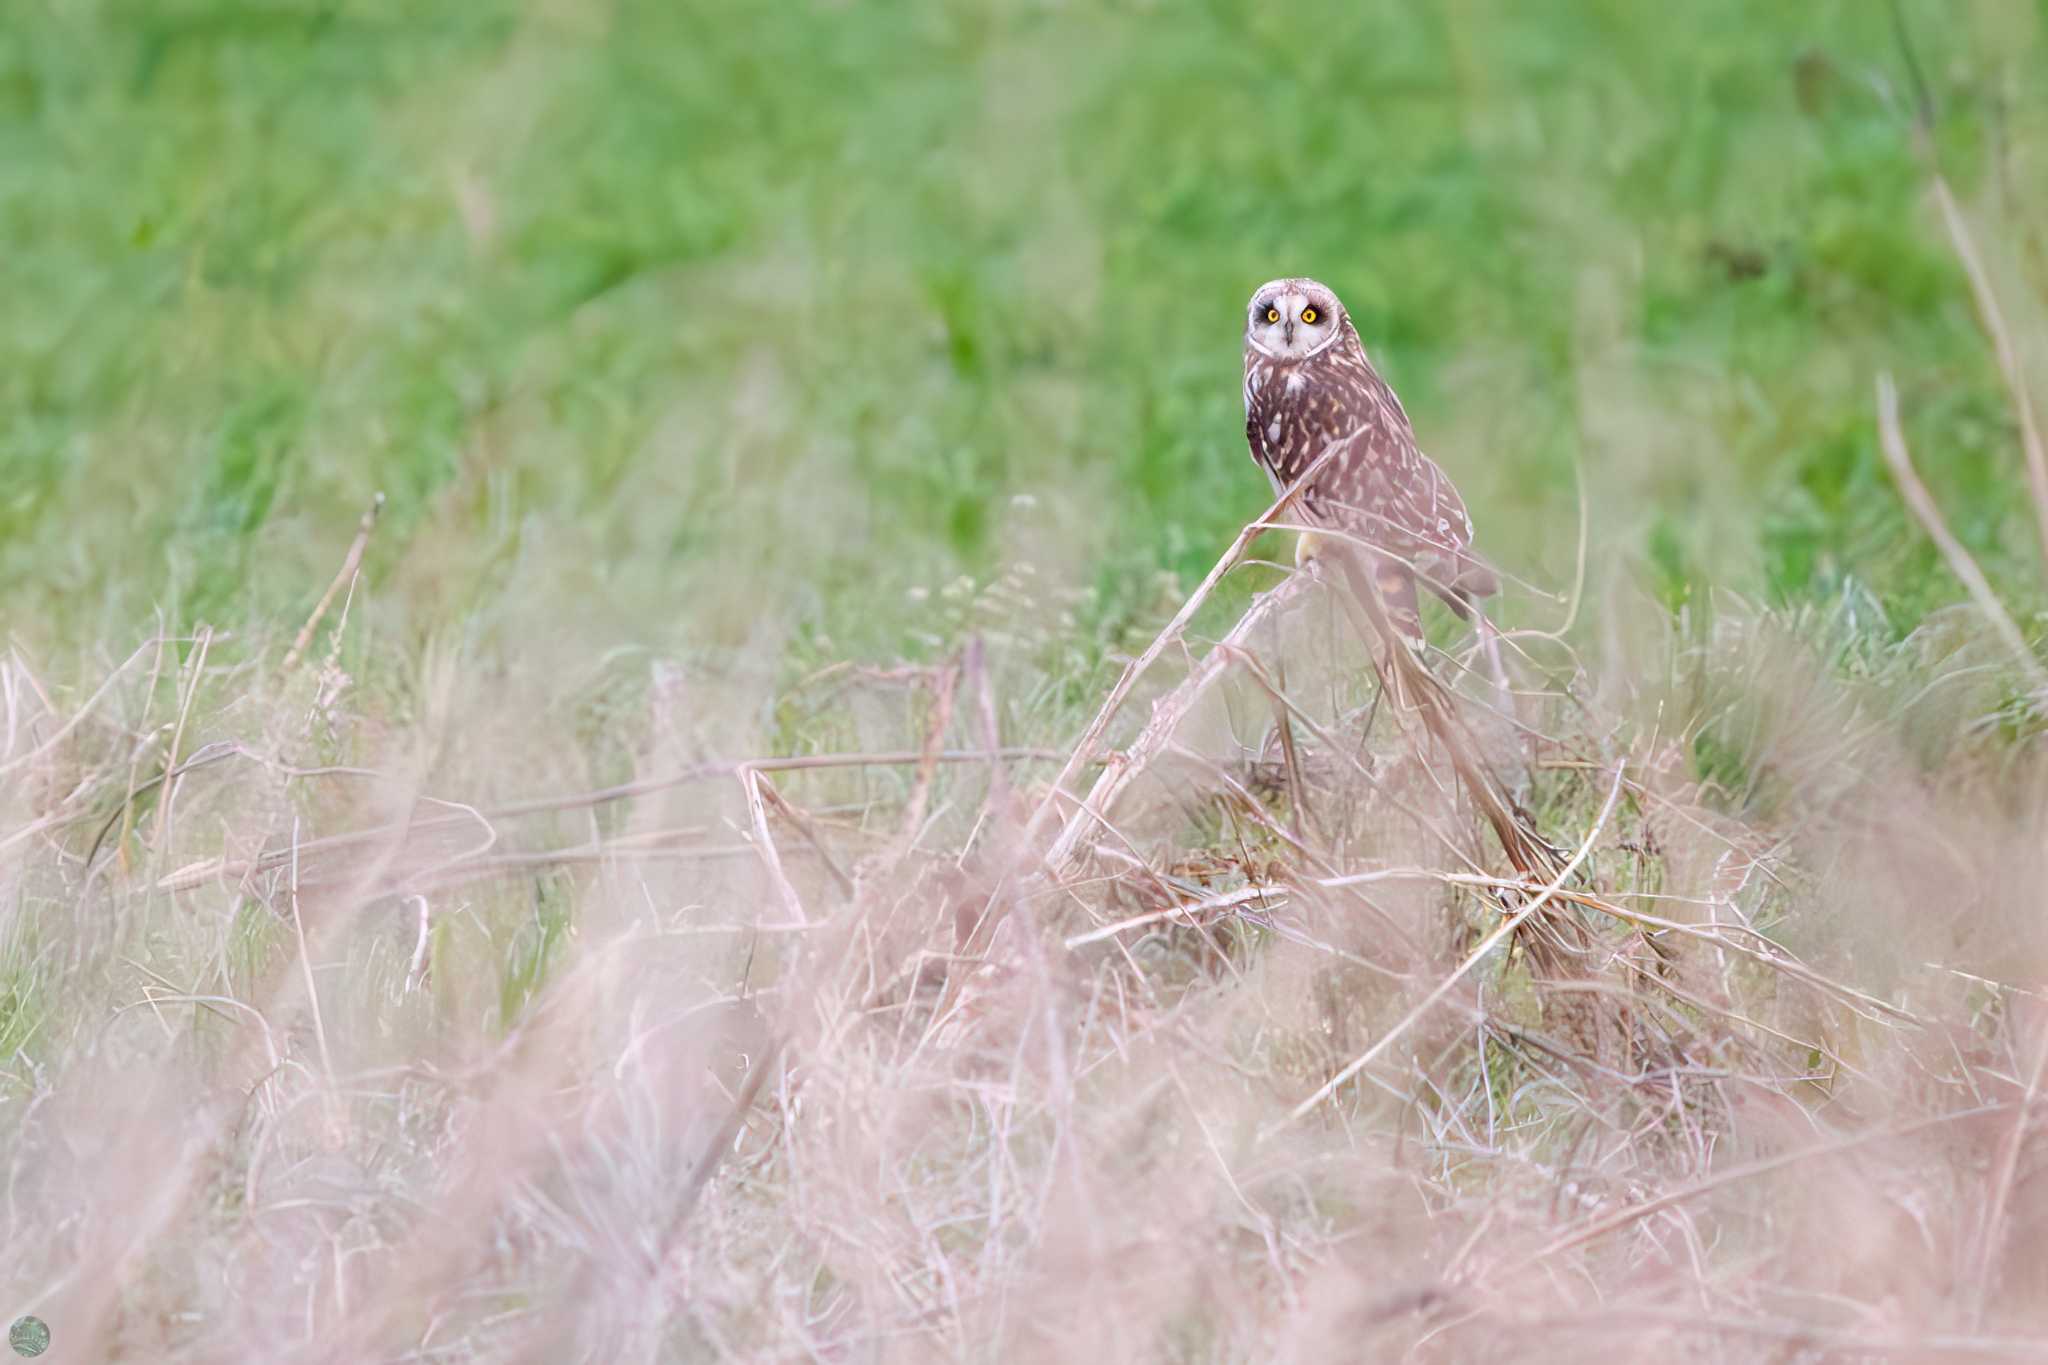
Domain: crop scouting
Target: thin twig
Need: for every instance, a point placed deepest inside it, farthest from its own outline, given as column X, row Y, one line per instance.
column 704, row 772
column 1290, row 756
column 126, row 813
column 1771, row 956
column 212, row 753
column 416, row 970
column 718, row 1148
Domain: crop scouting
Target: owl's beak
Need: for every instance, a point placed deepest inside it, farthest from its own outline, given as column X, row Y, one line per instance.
column 1290, row 331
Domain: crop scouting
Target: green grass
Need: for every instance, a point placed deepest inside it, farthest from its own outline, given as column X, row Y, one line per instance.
column 810, row 292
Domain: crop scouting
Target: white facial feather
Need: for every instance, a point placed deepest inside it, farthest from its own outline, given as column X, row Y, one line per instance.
column 1291, row 320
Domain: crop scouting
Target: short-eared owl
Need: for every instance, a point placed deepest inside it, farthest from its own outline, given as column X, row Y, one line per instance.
column 1308, row 386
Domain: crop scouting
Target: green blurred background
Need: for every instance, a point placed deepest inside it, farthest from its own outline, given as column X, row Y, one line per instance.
column 645, row 312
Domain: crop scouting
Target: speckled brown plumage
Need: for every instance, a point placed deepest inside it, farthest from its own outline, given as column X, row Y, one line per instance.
column 1307, row 386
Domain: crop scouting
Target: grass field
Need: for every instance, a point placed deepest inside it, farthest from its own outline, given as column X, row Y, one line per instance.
column 777, row 408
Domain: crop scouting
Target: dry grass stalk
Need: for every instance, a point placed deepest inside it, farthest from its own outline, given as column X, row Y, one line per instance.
column 943, row 685
column 975, row 662
column 2002, row 345
column 1991, row 1239
column 1928, row 513
column 349, row 564
column 753, row 782
column 163, row 810
column 1226, row 900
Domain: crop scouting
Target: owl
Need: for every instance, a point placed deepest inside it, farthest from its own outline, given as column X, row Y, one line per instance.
column 1307, row 387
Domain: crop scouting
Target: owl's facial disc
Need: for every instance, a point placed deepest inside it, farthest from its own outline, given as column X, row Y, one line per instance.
column 1291, row 320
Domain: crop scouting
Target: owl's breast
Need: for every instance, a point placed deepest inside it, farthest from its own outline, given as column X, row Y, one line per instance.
column 1291, row 417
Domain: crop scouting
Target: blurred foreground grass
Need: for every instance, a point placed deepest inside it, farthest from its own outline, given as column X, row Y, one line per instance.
column 638, row 308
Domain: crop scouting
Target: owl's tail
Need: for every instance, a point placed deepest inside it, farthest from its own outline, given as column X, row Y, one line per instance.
column 1474, row 579
column 1384, row 588
column 1555, row 940
column 1396, row 583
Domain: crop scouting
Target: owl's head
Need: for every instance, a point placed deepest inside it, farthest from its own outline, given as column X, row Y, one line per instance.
column 1292, row 319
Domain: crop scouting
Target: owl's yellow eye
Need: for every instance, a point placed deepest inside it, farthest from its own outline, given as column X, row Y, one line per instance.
column 1272, row 315
column 1308, row 315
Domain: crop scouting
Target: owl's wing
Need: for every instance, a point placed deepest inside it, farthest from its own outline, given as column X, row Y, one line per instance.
column 1431, row 512
column 1255, row 439
column 1408, row 504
